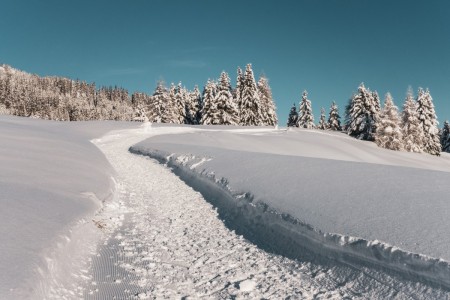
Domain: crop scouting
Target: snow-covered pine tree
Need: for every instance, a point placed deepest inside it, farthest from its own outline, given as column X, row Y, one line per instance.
column 411, row 126
column 334, row 122
column 361, row 114
column 428, row 119
column 389, row 134
column 250, row 110
column 210, row 113
column 445, row 137
column 157, row 106
column 237, row 92
column 193, row 107
column 179, row 102
column 322, row 122
column 305, row 114
column 267, row 105
column 293, row 116
column 227, row 111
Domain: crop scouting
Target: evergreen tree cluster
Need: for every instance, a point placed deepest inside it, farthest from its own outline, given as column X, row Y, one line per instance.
column 57, row 98
column 414, row 130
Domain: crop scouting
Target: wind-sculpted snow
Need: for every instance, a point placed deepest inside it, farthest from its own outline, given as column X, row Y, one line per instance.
column 52, row 180
column 399, row 214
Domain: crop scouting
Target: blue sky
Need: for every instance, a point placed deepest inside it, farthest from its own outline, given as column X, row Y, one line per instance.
column 327, row 47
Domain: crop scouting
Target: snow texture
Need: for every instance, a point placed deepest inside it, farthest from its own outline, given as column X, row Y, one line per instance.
column 402, row 226
column 52, row 181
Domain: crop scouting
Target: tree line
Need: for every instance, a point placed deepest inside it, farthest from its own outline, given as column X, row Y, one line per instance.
column 415, row 129
column 250, row 103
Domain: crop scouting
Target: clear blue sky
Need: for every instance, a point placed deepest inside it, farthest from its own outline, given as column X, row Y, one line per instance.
column 325, row 46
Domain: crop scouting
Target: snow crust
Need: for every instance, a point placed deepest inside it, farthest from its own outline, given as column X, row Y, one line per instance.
column 52, row 181
column 337, row 195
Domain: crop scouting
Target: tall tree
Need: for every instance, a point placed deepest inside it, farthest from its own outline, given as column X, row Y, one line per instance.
column 180, row 104
column 389, row 134
column 411, row 126
column 237, row 93
column 293, row 117
column 210, row 112
column 334, row 122
column 429, row 123
column 193, row 106
column 227, row 110
column 250, row 110
column 445, row 137
column 362, row 113
column 267, row 104
column 305, row 114
column 157, row 107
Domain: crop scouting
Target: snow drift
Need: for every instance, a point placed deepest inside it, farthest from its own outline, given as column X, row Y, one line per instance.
column 52, row 181
column 299, row 191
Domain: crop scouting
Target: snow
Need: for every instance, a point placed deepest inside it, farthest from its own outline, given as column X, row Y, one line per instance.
column 52, row 180
column 338, row 186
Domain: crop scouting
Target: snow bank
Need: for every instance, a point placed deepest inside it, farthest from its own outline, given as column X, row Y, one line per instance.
column 317, row 191
column 52, row 181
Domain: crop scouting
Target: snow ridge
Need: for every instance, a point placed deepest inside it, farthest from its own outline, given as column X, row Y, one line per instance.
column 281, row 233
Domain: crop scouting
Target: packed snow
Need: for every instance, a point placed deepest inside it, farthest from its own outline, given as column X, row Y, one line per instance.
column 377, row 205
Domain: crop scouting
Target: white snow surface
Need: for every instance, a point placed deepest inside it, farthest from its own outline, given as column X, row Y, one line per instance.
column 52, row 181
column 391, row 206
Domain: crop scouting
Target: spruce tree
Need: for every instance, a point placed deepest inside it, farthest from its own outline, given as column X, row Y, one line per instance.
column 250, row 110
column 157, row 105
column 179, row 102
column 411, row 126
column 305, row 114
column 428, row 120
column 171, row 113
column 334, row 122
column 237, row 93
column 267, row 105
column 227, row 110
column 193, row 106
column 322, row 122
column 362, row 113
column 210, row 113
column 293, row 117
column 445, row 137
column 389, row 134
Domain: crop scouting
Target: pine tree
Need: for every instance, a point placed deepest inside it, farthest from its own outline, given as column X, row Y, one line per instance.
column 250, row 110
column 227, row 110
column 157, row 106
column 237, row 92
column 179, row 102
column 210, row 113
column 293, row 117
column 429, row 123
column 411, row 126
column 445, row 137
column 322, row 122
column 305, row 114
column 362, row 113
column 388, row 134
column 334, row 122
column 193, row 107
column 268, row 106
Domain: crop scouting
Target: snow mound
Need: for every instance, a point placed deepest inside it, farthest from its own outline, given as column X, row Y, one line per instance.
column 289, row 202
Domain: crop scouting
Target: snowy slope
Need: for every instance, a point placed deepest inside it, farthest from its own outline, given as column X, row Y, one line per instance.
column 52, row 181
column 346, row 195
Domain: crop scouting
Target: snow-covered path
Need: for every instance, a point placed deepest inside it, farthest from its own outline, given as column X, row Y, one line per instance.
column 166, row 241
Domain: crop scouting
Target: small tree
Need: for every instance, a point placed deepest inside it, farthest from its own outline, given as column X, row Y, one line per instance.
column 322, row 122
column 389, row 134
column 429, row 123
column 411, row 127
column 305, row 115
column 445, row 137
column 334, row 122
column 293, row 116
